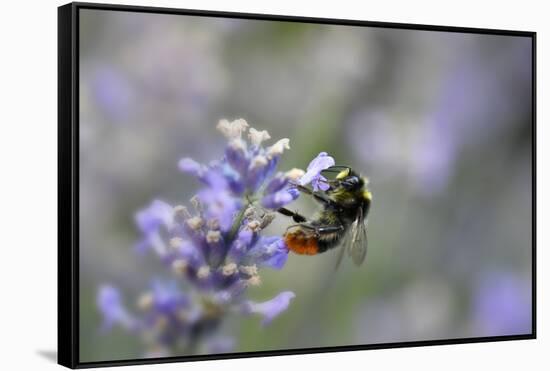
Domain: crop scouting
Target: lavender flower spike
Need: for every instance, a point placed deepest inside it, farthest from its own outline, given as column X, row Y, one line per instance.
column 215, row 249
column 313, row 174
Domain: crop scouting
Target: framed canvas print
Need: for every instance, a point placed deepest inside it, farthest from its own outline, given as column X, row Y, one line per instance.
column 241, row 185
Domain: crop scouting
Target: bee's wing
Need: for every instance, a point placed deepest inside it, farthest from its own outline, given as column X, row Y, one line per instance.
column 341, row 249
column 350, row 239
column 357, row 248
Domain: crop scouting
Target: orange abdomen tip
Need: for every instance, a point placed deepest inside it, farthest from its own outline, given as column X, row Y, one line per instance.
column 301, row 244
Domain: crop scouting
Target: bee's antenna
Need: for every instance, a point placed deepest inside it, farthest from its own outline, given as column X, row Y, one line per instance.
column 339, row 167
column 336, row 169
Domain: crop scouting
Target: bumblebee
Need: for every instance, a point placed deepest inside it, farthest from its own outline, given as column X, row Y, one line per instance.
column 341, row 221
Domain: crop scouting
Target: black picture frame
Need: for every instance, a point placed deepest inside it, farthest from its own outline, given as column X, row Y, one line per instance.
column 68, row 182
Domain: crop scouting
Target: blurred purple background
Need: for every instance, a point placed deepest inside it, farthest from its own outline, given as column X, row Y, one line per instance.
column 440, row 122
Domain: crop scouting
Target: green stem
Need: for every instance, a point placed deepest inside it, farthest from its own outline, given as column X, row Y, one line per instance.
column 236, row 224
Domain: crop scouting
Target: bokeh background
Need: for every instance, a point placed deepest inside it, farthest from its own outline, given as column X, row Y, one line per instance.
column 440, row 122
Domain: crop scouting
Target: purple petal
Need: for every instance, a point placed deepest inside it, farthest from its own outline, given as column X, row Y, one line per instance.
column 294, row 192
column 110, row 305
column 215, row 180
column 157, row 214
column 220, row 205
column 191, row 254
column 217, row 198
column 233, row 179
column 271, row 308
column 237, row 157
column 271, row 167
column 280, row 198
column 269, row 252
column 190, row 166
column 167, row 298
column 149, row 220
column 320, row 183
column 277, row 260
column 254, row 179
column 321, row 162
column 240, row 246
column 276, row 184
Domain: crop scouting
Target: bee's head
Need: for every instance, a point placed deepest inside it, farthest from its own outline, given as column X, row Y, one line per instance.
column 350, row 181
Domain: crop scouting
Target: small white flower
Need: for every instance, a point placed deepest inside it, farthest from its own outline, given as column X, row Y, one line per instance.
column 179, row 266
column 258, row 162
column 253, row 281
column 213, row 236
column 253, row 225
column 181, row 212
column 175, row 242
column 203, row 272
column 251, row 270
column 238, row 145
column 249, row 211
column 195, row 223
column 196, row 202
column 213, row 224
column 145, row 301
column 294, row 174
column 257, row 137
column 266, row 220
column 278, row 148
column 233, row 129
column 229, row 269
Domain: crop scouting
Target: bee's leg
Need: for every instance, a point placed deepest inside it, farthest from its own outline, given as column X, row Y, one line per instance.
column 330, row 229
column 294, row 215
column 321, row 230
column 316, row 195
